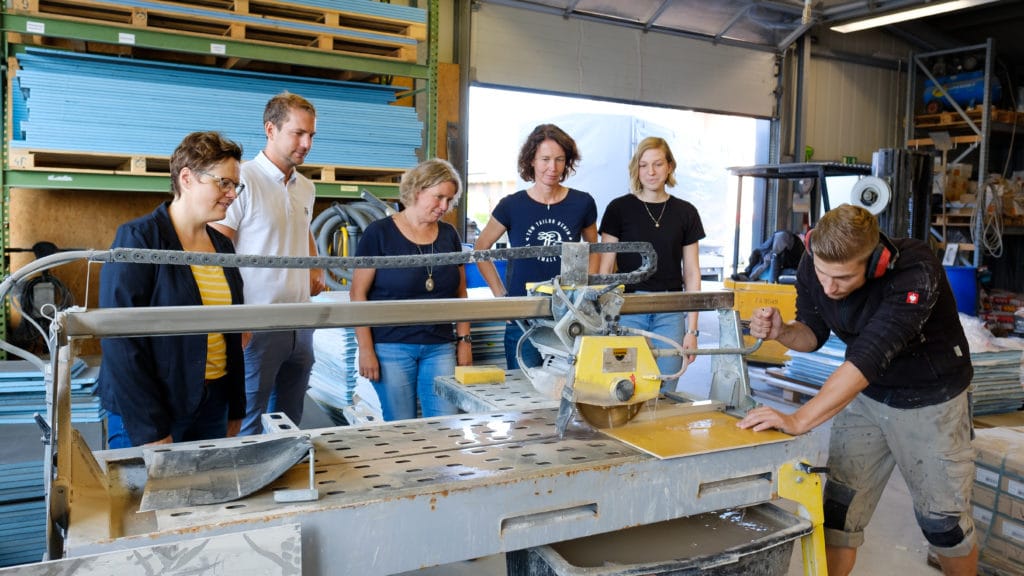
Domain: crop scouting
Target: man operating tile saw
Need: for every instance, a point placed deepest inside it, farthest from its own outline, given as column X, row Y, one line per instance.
column 900, row 397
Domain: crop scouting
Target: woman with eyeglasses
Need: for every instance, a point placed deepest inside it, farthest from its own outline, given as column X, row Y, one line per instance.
column 164, row 389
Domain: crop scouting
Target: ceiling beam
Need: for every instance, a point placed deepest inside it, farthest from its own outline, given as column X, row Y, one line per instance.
column 656, row 15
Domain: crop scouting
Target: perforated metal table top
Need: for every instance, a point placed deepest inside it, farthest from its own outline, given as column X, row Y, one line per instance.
column 402, row 495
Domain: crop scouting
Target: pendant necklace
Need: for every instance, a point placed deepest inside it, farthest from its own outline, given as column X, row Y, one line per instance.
column 429, row 284
column 657, row 221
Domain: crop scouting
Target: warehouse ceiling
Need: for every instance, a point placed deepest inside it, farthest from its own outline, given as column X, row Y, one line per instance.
column 776, row 24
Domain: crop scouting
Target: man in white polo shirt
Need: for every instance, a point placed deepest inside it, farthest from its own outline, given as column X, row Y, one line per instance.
column 272, row 217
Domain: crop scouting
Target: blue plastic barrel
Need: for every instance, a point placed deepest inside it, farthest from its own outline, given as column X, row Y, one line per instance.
column 964, row 281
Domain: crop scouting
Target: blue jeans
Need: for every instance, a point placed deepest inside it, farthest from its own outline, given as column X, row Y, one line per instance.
column 531, row 356
column 671, row 325
column 209, row 422
column 277, row 367
column 407, row 373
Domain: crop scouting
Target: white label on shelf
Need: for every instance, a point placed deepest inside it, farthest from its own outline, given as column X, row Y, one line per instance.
column 218, row 49
column 125, row 38
column 59, row 178
column 986, row 477
column 1013, row 531
column 35, row 27
column 1014, row 488
column 348, row 188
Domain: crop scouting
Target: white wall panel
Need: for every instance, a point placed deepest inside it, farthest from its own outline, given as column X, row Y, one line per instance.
column 539, row 51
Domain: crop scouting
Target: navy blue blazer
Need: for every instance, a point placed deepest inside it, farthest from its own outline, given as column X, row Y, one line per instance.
column 153, row 382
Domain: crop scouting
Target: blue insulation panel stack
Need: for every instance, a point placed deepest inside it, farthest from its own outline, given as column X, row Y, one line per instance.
column 371, row 7
column 22, row 513
column 23, row 392
column 282, row 25
column 73, row 102
column 997, row 385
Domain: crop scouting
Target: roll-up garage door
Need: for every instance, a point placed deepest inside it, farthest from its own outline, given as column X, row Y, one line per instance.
column 526, row 49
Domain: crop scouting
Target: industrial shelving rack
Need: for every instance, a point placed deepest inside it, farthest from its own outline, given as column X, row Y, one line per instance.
column 18, row 25
column 973, row 130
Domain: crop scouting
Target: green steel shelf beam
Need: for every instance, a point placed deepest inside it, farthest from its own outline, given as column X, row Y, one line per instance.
column 433, row 19
column 71, row 180
column 86, row 181
column 351, row 190
column 220, row 47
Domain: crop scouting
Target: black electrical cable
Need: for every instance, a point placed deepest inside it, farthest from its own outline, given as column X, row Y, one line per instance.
column 32, row 331
column 25, row 334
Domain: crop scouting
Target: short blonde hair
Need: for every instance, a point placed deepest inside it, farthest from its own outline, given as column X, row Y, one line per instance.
column 651, row 143
column 846, row 233
column 428, row 174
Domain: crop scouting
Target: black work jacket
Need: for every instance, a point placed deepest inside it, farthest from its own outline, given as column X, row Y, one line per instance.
column 901, row 330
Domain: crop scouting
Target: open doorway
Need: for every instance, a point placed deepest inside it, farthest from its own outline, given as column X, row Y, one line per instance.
column 705, row 146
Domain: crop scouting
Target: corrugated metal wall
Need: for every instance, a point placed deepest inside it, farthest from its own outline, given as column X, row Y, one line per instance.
column 525, row 49
column 854, row 107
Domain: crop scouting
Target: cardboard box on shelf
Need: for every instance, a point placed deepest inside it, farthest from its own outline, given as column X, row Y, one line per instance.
column 957, row 178
column 998, row 498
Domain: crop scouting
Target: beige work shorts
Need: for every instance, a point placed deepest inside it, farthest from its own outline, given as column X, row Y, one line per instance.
column 931, row 446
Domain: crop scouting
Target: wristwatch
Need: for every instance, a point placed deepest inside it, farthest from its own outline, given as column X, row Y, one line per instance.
column 694, row 332
column 468, row 338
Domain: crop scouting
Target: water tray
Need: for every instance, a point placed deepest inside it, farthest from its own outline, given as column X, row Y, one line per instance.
column 754, row 541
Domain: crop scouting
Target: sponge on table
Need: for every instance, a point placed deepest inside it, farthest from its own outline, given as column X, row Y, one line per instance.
column 485, row 374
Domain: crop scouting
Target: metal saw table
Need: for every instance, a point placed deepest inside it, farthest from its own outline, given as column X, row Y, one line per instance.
column 403, row 495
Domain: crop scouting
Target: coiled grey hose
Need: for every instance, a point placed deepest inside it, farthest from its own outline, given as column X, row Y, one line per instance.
column 326, row 228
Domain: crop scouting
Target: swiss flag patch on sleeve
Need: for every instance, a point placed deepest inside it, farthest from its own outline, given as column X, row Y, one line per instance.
column 913, row 297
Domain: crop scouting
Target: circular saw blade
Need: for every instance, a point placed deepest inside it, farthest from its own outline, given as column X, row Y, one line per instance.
column 601, row 417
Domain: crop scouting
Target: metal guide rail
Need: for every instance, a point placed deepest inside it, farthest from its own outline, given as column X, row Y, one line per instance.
column 408, row 494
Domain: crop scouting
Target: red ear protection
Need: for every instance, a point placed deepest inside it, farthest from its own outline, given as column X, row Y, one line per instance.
column 880, row 261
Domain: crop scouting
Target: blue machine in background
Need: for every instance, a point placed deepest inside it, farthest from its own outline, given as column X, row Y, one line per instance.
column 967, row 89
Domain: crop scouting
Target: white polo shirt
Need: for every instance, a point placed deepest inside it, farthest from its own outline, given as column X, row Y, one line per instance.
column 272, row 217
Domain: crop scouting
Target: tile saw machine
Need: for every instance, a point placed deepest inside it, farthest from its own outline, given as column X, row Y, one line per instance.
column 599, row 370
column 510, row 480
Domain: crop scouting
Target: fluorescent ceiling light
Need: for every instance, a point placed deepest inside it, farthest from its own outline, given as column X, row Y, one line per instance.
column 909, row 14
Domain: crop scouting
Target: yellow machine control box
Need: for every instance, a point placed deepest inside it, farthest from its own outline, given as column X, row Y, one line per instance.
column 748, row 296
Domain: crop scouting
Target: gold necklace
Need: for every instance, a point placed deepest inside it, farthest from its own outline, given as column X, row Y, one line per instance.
column 657, row 221
column 555, row 198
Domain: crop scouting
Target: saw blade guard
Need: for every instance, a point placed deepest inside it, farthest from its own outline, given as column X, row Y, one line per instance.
column 614, row 370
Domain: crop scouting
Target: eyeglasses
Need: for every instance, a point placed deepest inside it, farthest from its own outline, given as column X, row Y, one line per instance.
column 226, row 184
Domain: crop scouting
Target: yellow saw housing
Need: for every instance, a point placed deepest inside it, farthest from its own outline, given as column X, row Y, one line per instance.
column 614, row 370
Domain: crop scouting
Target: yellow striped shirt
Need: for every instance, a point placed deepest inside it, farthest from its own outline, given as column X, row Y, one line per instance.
column 213, row 287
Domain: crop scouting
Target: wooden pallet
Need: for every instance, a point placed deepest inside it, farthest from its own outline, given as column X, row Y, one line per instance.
column 143, row 165
column 95, row 163
column 214, row 21
column 283, row 10
column 951, row 119
column 323, row 173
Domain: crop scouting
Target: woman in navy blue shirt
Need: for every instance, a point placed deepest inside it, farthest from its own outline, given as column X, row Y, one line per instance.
column 547, row 213
column 402, row 361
